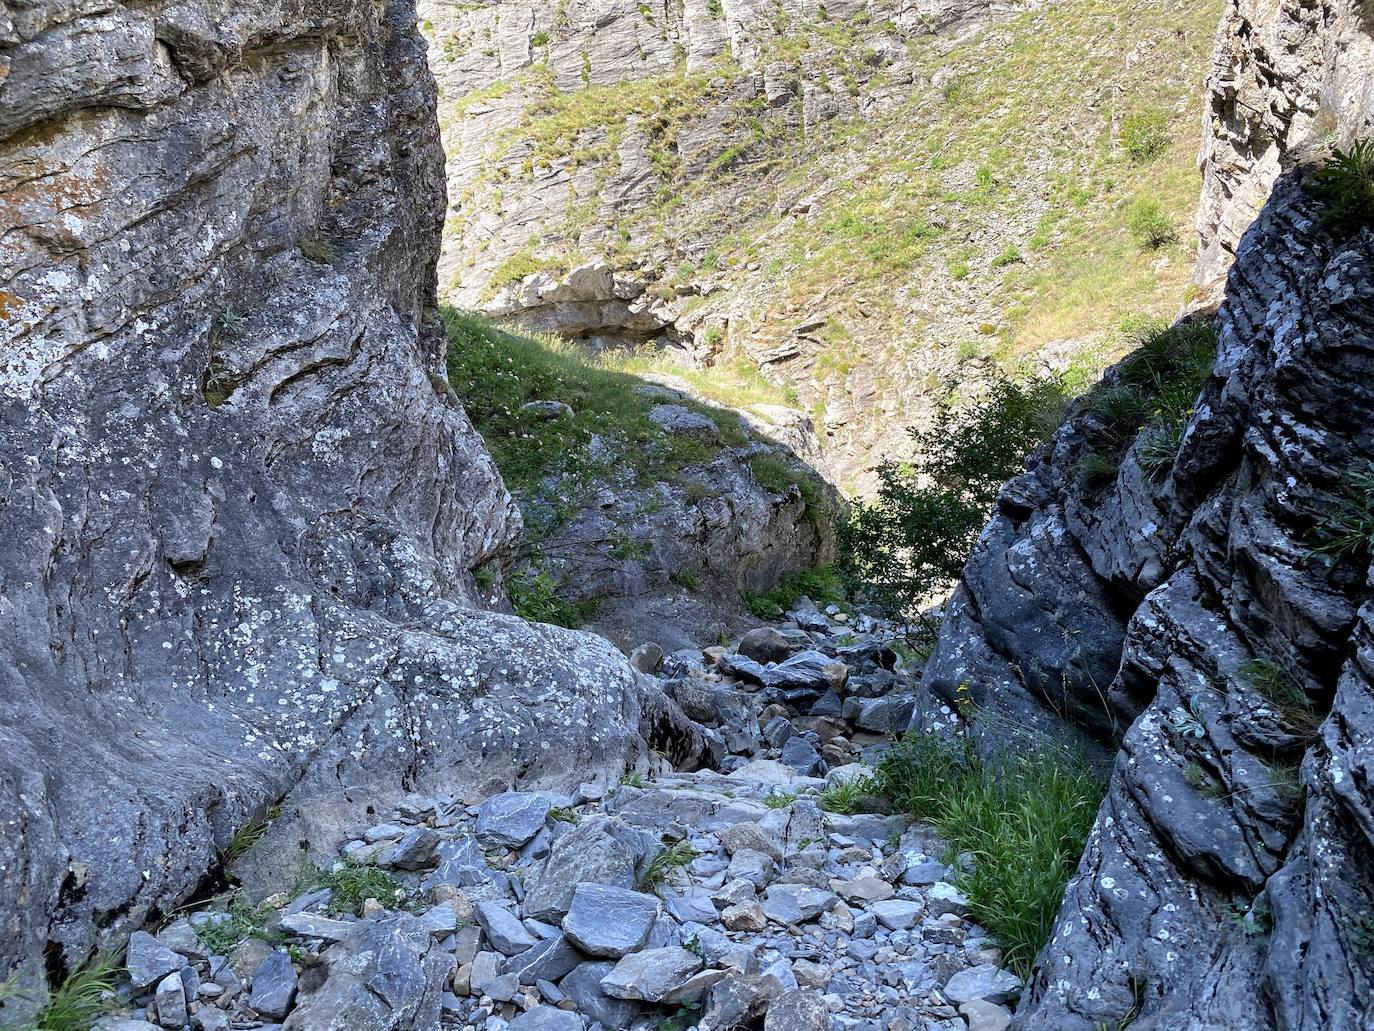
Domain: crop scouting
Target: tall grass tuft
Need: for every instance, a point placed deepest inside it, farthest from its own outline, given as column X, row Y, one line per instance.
column 1024, row 819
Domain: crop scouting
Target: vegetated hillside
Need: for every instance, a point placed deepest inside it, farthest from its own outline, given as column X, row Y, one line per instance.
column 651, row 512
column 877, row 208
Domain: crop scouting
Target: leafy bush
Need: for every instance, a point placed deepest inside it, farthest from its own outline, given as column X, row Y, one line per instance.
column 1145, row 135
column 1023, row 817
column 822, row 585
column 1345, row 183
column 1149, row 225
column 917, row 533
column 534, row 596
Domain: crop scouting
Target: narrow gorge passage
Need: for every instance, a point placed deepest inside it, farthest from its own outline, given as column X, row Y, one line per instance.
column 687, row 515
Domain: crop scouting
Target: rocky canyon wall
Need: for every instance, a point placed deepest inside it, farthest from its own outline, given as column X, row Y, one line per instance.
column 1191, row 610
column 239, row 505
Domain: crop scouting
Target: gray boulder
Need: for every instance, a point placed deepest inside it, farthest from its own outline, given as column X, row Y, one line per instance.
column 599, row 850
column 583, row 987
column 797, row 1010
column 984, row 981
column 546, row 1018
column 603, row 920
column 510, row 819
column 148, row 961
column 274, row 986
column 764, row 645
column 503, row 928
column 650, row 975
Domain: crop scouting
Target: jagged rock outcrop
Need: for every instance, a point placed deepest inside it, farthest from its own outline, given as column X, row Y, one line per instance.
column 1195, row 614
column 240, row 507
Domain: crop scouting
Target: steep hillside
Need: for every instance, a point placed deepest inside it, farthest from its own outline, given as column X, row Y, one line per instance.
column 877, row 205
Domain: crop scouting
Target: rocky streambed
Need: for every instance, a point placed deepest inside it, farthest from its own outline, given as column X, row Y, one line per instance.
column 757, row 893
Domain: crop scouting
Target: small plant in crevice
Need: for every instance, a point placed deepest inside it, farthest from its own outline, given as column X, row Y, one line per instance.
column 1344, row 530
column 1188, row 722
column 82, row 997
column 660, row 869
column 1254, row 918
column 1096, row 470
column 626, row 547
column 690, row 578
column 1201, row 781
column 564, row 814
column 1280, row 689
column 780, row 800
column 351, row 885
column 243, row 839
column 1285, row 777
column 227, row 927
column 1345, row 185
column 850, row 797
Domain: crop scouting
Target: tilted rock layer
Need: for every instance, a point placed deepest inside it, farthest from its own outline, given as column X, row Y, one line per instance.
column 1181, row 615
column 239, row 507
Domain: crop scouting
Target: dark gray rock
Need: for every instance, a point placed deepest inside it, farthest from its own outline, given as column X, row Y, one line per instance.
column 801, row 755
column 390, row 976
column 503, row 928
column 583, row 987
column 171, row 1002
column 316, row 925
column 461, row 864
column 984, row 981
column 647, row 658
column 599, row 850
column 549, row 959
column 274, row 986
column 148, row 961
column 650, row 975
column 416, row 850
column 510, row 819
column 546, row 1018
column 604, row 920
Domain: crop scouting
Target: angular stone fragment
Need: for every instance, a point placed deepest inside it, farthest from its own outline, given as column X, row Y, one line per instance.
column 274, row 986
column 503, row 928
column 510, row 819
column 986, row 982
column 797, row 1010
column 148, row 960
column 651, row 975
column 608, row 921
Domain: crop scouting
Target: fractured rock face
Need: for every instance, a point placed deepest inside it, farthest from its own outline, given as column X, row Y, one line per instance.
column 241, row 508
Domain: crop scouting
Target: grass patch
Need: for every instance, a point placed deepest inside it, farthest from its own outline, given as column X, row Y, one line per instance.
column 1281, row 690
column 780, row 799
column 233, row 925
column 1024, row 818
column 660, row 869
column 83, row 997
column 352, row 884
column 853, row 796
column 822, row 585
column 1145, row 135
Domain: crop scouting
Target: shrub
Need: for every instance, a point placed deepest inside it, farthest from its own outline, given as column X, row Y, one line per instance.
column 540, row 39
column 850, row 797
column 1145, row 135
column 822, row 585
column 1345, row 183
column 914, row 537
column 1149, row 225
column 1023, row 817
column 534, row 596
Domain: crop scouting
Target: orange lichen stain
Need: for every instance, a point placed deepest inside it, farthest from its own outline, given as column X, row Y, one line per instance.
column 9, row 306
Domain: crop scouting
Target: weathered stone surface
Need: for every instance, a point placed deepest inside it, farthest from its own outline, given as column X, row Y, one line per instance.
column 274, row 986
column 550, row 959
column 510, row 819
column 650, row 975
column 388, row 977
column 583, row 987
column 171, row 1003
column 148, row 960
column 764, row 645
column 503, row 928
column 547, row 1018
column 604, row 920
column 232, row 465
column 600, row 850
column 797, row 1010
column 982, row 982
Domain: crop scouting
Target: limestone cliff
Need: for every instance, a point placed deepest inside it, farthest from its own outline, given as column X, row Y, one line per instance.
column 239, row 505
column 879, row 204
column 1193, row 609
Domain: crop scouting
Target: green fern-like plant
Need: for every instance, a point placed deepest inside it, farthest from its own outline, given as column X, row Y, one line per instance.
column 1345, row 184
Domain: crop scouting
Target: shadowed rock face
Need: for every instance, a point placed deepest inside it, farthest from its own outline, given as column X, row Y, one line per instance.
column 238, row 505
column 1182, row 618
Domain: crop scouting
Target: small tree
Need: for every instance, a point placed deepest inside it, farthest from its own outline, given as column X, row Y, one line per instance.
column 914, row 537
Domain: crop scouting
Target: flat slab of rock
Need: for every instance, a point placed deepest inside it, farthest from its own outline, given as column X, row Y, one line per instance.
column 608, row 921
column 547, row 1018
column 897, row 914
column 314, row 925
column 798, row 1010
column 509, row 820
column 985, row 981
column 651, row 975
column 148, row 960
